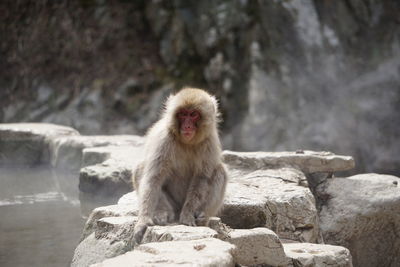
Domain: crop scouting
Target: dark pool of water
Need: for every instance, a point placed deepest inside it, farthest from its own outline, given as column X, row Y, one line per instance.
column 40, row 217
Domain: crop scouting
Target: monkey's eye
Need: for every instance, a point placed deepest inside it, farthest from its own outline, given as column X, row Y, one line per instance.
column 195, row 115
column 182, row 114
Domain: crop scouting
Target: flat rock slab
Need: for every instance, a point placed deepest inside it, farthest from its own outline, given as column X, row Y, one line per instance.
column 121, row 210
column 113, row 236
column 113, row 176
column 307, row 161
column 254, row 246
column 126, row 213
column 177, row 232
column 257, row 246
column 68, row 150
column 109, row 230
column 254, row 200
column 115, row 227
column 203, row 252
column 93, row 250
column 318, row 255
column 14, row 131
column 29, row 143
column 129, row 199
column 362, row 213
column 107, row 237
column 128, row 155
column 257, row 199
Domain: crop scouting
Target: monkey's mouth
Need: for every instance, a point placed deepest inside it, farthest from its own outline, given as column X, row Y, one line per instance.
column 187, row 135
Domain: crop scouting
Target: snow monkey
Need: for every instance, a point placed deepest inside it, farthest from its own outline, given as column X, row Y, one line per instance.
column 182, row 178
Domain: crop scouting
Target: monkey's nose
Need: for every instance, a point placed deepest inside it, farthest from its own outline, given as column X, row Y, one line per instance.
column 188, row 127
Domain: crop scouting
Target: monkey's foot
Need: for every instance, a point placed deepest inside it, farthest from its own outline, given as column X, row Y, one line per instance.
column 163, row 217
column 140, row 229
column 201, row 219
column 187, row 219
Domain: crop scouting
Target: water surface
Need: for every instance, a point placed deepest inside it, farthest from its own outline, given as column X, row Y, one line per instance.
column 40, row 217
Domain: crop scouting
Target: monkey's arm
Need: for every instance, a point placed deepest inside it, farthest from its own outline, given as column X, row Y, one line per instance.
column 149, row 191
column 204, row 197
column 151, row 172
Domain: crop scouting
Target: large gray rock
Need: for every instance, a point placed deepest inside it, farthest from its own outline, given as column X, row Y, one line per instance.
column 257, row 196
column 67, row 150
column 107, row 236
column 203, row 252
column 92, row 250
column 109, row 233
column 128, row 155
column 113, row 237
column 306, row 161
column 253, row 246
column 128, row 207
column 272, row 199
column 29, row 143
column 121, row 210
column 108, row 175
column 362, row 213
column 109, row 179
column 113, row 176
column 257, row 246
column 266, row 198
column 317, row 255
column 254, row 197
column 129, row 199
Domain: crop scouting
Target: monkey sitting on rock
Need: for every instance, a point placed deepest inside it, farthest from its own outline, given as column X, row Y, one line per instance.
column 182, row 178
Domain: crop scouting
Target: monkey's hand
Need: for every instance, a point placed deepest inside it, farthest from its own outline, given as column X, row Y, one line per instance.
column 201, row 219
column 187, row 218
column 163, row 217
column 141, row 227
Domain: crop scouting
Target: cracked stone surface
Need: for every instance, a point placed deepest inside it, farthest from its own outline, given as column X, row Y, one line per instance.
column 203, row 252
column 111, row 237
column 177, row 232
column 272, row 199
column 257, row 246
column 29, row 143
column 68, row 150
column 307, row 161
column 127, row 155
column 318, row 255
column 362, row 213
column 120, row 210
column 112, row 175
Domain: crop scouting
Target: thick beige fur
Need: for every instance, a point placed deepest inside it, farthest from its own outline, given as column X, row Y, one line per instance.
column 181, row 181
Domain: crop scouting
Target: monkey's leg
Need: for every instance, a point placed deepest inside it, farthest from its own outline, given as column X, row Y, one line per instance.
column 204, row 198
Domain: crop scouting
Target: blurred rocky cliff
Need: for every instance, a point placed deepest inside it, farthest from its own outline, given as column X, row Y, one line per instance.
column 321, row 75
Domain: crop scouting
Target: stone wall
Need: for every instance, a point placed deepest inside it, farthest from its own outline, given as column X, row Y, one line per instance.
column 321, row 75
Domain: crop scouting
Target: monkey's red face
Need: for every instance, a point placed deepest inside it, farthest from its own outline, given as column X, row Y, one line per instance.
column 188, row 119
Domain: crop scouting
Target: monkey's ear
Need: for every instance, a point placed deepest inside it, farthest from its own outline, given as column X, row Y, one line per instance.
column 216, row 107
column 169, row 103
column 215, row 103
